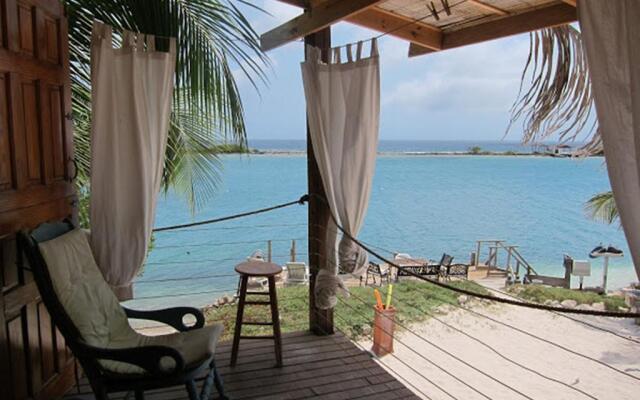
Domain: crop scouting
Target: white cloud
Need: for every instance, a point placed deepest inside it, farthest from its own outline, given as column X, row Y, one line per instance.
column 481, row 77
column 276, row 14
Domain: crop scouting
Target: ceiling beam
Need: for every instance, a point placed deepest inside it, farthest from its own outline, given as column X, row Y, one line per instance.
column 554, row 15
column 313, row 20
column 571, row 2
column 488, row 7
column 426, row 36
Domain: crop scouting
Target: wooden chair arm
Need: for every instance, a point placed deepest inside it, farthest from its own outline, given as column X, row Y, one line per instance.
column 170, row 316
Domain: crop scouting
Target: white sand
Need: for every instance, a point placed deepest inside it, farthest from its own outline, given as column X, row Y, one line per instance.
column 589, row 376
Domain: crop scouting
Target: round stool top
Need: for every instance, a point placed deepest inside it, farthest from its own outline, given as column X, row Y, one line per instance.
column 258, row 268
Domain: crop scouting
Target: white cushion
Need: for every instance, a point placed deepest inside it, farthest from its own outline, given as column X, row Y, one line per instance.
column 96, row 311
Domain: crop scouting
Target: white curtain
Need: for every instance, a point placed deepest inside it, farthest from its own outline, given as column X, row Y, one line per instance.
column 131, row 96
column 343, row 109
column 611, row 36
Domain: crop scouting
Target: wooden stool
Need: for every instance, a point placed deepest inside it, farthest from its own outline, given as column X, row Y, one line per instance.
column 248, row 270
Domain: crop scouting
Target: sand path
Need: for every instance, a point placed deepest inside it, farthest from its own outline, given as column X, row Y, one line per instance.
column 497, row 378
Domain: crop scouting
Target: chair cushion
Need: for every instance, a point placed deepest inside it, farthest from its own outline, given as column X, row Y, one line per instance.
column 96, row 312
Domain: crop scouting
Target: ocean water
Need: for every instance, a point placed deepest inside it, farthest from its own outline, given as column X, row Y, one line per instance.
column 423, row 205
column 405, row 146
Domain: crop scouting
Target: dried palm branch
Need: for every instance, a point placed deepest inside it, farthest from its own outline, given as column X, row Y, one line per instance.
column 555, row 100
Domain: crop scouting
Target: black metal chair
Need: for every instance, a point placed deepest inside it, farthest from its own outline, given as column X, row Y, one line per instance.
column 457, row 271
column 374, row 270
column 115, row 367
column 440, row 269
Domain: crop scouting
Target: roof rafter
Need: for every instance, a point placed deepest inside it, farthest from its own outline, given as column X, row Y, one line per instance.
column 554, row 15
column 313, row 20
column 423, row 35
column 488, row 7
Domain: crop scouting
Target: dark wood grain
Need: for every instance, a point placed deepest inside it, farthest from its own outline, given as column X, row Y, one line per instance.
column 320, row 321
column 36, row 144
column 314, row 367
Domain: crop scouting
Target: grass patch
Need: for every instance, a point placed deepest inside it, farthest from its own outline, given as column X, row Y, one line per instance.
column 353, row 315
column 540, row 294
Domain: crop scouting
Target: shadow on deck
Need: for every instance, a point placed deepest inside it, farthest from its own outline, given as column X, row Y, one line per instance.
column 317, row 367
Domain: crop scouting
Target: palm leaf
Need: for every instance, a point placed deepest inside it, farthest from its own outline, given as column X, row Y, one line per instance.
column 212, row 36
column 602, row 207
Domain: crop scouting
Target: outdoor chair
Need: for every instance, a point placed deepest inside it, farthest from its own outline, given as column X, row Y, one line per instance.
column 297, row 273
column 440, row 269
column 374, row 270
column 456, row 271
column 114, row 357
column 404, row 270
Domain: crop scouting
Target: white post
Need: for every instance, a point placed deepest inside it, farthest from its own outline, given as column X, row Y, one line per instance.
column 605, row 271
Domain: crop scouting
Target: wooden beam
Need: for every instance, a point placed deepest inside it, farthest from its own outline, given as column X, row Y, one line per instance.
column 554, row 15
column 313, row 20
column 426, row 36
column 573, row 3
column 488, row 7
column 320, row 321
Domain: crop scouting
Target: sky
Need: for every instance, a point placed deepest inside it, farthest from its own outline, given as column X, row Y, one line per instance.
column 459, row 94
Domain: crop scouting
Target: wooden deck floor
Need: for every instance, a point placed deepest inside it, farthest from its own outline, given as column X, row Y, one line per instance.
column 315, row 367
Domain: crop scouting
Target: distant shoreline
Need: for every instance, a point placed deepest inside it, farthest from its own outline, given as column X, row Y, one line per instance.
column 259, row 152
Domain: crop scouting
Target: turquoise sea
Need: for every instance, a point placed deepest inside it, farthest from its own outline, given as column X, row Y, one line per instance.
column 422, row 205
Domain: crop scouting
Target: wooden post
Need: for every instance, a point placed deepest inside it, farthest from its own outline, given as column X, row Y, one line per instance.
column 293, row 250
column 478, row 254
column 320, row 321
column 269, row 250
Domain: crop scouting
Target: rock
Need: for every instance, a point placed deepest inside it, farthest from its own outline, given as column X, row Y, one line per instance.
column 554, row 303
column 623, row 309
column 366, row 330
column 569, row 303
column 585, row 307
column 548, row 302
column 598, row 306
column 462, row 299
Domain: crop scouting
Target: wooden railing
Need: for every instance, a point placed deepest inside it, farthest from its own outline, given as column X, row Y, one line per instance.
column 496, row 248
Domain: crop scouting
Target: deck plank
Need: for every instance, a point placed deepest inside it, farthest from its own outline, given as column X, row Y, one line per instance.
column 315, row 367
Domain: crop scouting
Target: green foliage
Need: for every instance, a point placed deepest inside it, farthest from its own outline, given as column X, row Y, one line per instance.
column 602, row 207
column 539, row 294
column 213, row 37
column 475, row 150
column 412, row 299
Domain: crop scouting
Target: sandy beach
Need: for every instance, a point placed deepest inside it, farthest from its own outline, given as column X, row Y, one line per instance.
column 495, row 377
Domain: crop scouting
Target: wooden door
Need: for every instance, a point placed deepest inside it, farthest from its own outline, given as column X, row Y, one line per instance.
column 36, row 153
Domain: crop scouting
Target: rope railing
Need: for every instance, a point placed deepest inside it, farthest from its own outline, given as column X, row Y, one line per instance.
column 234, row 228
column 523, row 304
column 300, row 201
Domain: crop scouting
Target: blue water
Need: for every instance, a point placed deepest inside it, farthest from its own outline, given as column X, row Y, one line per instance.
column 421, row 205
column 404, row 146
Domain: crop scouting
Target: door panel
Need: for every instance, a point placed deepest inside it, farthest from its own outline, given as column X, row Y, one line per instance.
column 36, row 149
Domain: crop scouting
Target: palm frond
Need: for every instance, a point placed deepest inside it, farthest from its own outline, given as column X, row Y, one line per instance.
column 602, row 208
column 555, row 100
column 213, row 37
